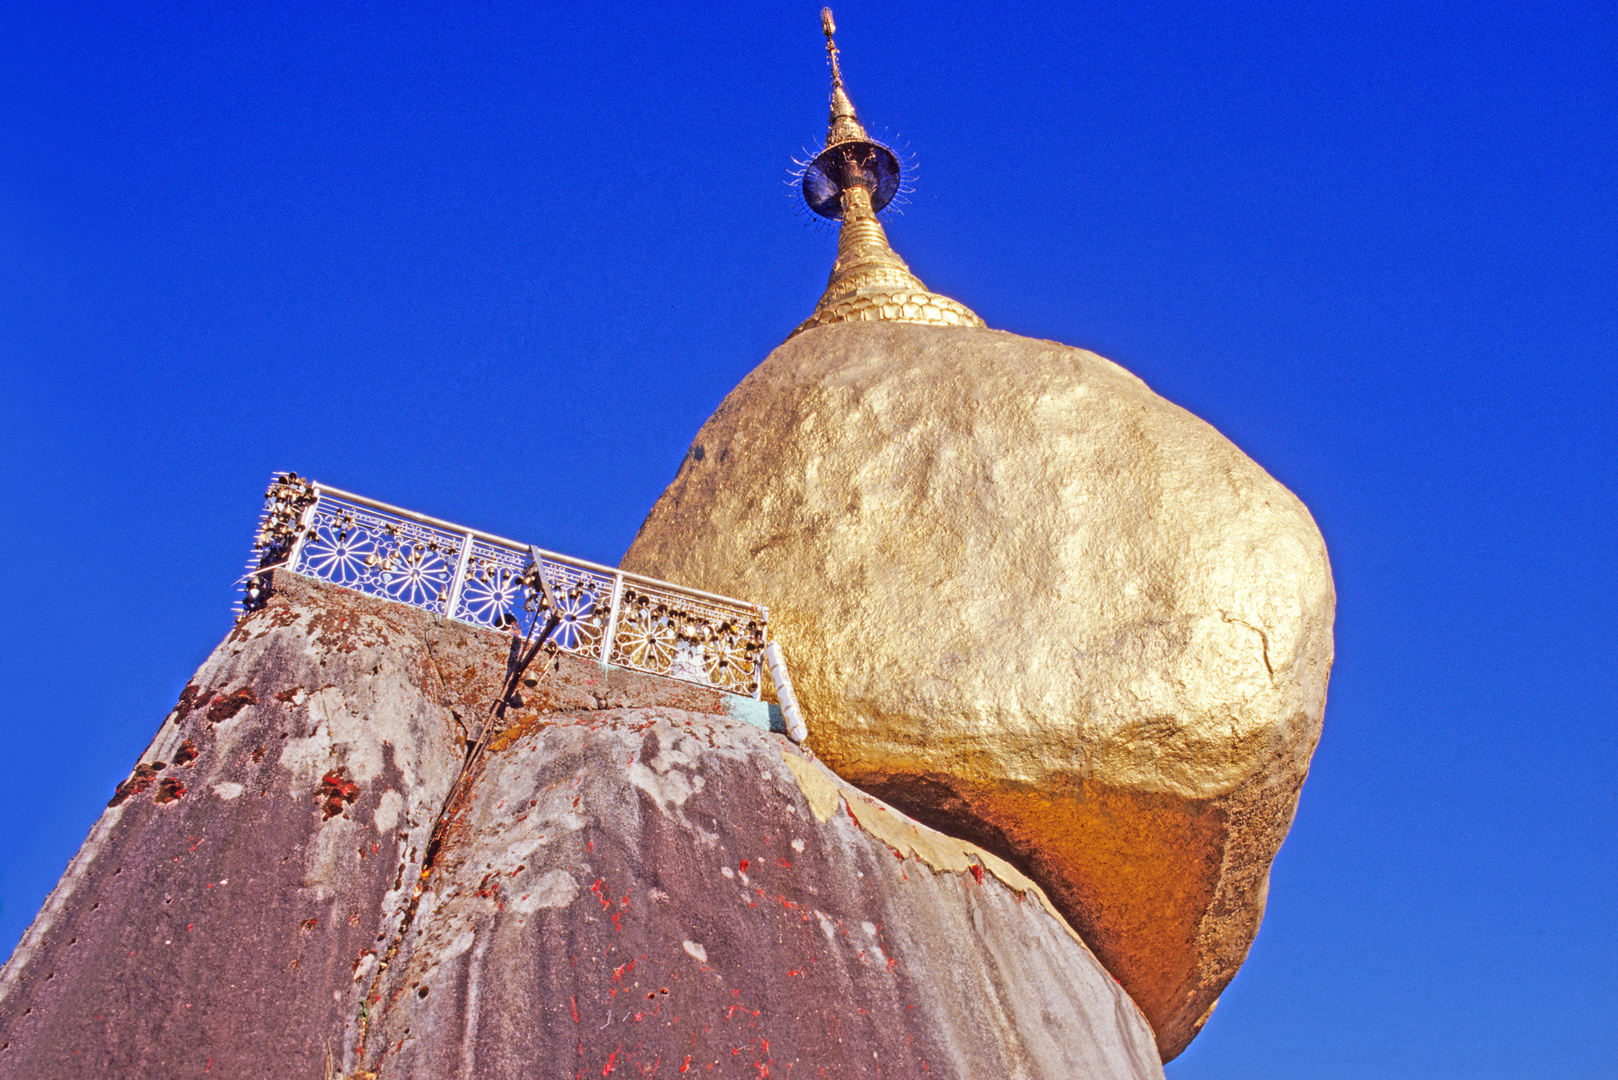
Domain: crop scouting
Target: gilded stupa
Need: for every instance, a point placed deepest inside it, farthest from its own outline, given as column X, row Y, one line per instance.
column 1023, row 598
column 851, row 181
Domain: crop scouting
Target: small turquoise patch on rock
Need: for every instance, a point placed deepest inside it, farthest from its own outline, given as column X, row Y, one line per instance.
column 761, row 714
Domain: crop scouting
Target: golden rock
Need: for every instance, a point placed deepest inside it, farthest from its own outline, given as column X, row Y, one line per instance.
column 1037, row 606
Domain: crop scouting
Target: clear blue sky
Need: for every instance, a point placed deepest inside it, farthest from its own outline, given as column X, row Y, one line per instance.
column 497, row 262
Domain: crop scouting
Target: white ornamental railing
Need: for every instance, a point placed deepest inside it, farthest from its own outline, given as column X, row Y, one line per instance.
column 617, row 618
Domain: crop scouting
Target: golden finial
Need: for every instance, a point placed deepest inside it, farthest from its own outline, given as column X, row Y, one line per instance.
column 851, row 180
column 830, row 28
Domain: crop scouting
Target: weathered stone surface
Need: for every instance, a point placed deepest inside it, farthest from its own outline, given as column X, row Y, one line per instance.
column 1034, row 604
column 213, row 933
column 651, row 889
column 213, row 918
column 260, row 923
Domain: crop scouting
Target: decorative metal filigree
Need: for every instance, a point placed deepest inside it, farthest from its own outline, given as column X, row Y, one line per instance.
column 732, row 653
column 498, row 592
column 369, row 552
column 480, row 579
column 669, row 633
column 646, row 634
column 493, row 593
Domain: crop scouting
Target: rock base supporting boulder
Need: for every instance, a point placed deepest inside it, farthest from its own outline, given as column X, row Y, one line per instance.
column 630, row 882
column 648, row 889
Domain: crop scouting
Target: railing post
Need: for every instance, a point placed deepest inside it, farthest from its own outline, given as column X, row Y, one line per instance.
column 453, row 596
column 612, row 619
column 303, row 531
column 758, row 660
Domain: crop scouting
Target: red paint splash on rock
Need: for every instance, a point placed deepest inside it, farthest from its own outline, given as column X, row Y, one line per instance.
column 169, row 789
column 225, row 706
column 141, row 779
column 192, row 696
column 337, row 792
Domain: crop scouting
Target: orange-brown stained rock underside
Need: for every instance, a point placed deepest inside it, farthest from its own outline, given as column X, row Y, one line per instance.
column 1143, row 878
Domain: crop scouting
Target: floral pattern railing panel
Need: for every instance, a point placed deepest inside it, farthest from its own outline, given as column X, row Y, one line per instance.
column 682, row 637
column 360, row 549
column 605, row 614
column 494, row 593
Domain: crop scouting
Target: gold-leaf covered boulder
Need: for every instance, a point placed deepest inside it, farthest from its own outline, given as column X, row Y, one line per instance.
column 1032, row 603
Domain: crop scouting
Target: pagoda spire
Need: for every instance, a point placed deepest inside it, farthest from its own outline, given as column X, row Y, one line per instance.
column 850, row 181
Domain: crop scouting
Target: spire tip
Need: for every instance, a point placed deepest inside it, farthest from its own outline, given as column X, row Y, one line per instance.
column 829, row 27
